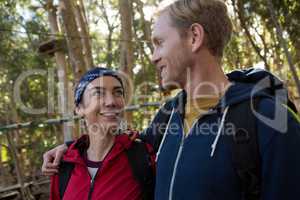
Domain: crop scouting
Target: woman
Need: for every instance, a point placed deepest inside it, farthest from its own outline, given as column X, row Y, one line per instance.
column 101, row 168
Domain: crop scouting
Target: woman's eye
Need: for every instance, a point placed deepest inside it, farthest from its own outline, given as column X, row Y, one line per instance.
column 98, row 93
column 119, row 93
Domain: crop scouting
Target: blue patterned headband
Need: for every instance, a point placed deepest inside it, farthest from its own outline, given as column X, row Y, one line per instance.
column 89, row 77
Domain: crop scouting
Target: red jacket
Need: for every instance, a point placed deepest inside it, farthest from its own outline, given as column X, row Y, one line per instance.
column 114, row 180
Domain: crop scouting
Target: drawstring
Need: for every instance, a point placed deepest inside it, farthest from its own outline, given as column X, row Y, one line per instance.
column 164, row 137
column 214, row 145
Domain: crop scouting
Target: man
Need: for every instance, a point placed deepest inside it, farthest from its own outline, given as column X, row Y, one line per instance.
column 199, row 155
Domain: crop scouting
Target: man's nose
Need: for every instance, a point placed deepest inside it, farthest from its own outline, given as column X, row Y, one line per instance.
column 155, row 57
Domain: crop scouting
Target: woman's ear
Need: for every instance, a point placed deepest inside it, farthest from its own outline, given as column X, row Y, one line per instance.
column 79, row 110
column 197, row 36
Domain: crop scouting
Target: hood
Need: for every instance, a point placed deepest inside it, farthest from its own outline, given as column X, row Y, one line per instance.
column 246, row 84
column 251, row 83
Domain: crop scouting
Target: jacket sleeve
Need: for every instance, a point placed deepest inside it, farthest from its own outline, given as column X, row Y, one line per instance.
column 279, row 142
column 54, row 188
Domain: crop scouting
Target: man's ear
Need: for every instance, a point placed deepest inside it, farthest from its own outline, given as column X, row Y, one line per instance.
column 197, row 36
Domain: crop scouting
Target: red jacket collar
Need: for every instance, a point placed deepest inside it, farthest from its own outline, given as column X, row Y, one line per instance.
column 77, row 148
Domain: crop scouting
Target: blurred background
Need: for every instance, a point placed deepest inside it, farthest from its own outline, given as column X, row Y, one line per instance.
column 46, row 45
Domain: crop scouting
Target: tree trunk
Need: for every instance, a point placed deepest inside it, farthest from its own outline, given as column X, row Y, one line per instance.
column 283, row 44
column 126, row 54
column 73, row 38
column 145, row 25
column 13, row 139
column 61, row 73
column 25, row 193
column 110, row 27
column 84, row 34
column 85, row 18
column 109, row 45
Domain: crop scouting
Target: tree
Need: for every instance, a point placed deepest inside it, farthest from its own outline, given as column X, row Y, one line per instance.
column 62, row 69
column 126, row 53
column 71, row 29
column 284, row 45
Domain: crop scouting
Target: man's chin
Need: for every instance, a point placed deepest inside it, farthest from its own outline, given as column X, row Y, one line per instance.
column 169, row 86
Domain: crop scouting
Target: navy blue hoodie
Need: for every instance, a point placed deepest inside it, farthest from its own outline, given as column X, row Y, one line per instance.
column 189, row 169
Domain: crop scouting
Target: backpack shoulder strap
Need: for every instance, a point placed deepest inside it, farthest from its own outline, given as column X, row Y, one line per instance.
column 64, row 174
column 245, row 148
column 143, row 168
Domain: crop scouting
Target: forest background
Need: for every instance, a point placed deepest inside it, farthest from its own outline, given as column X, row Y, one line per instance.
column 46, row 45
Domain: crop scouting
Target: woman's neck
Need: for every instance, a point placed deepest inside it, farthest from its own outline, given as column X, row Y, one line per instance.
column 100, row 145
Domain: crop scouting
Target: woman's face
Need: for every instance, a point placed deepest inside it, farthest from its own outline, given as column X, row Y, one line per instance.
column 102, row 104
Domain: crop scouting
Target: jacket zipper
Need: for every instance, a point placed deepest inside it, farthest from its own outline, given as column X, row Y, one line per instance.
column 179, row 155
column 93, row 178
column 92, row 185
column 177, row 161
column 91, row 189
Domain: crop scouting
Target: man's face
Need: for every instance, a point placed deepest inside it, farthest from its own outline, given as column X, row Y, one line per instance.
column 171, row 55
column 103, row 103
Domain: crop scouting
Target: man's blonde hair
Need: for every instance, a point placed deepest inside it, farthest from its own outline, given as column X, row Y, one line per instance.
column 212, row 15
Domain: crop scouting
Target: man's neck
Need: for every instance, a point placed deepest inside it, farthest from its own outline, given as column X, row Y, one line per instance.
column 99, row 146
column 207, row 79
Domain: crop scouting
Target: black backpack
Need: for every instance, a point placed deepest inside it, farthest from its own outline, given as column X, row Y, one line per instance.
column 140, row 159
column 245, row 148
